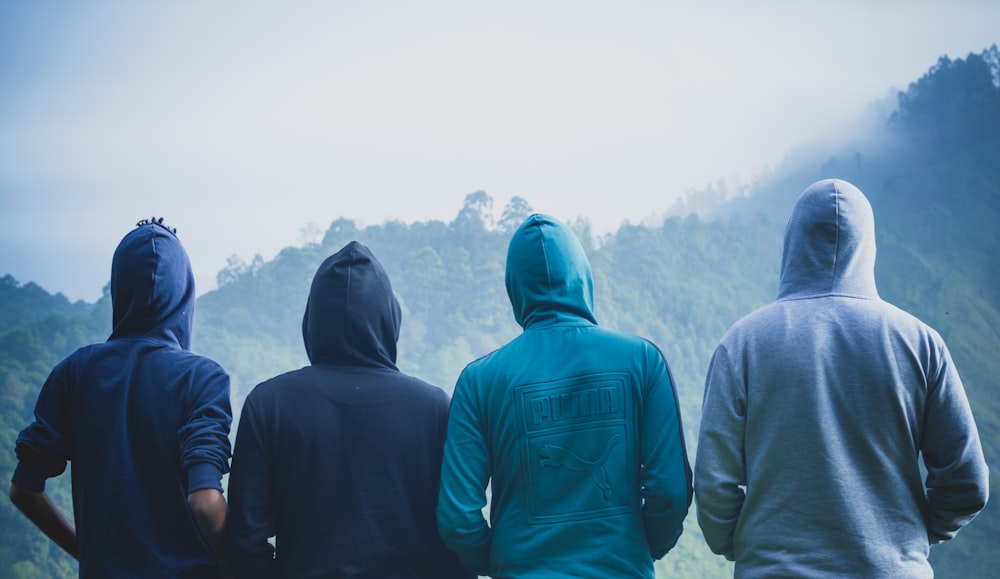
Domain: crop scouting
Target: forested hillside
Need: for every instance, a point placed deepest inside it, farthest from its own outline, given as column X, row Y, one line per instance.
column 932, row 174
column 23, row 305
column 27, row 353
column 930, row 170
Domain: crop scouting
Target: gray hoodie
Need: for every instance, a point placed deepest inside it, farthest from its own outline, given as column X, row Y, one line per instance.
column 817, row 407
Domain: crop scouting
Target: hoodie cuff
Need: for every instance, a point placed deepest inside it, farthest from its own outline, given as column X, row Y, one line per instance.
column 203, row 475
column 27, row 479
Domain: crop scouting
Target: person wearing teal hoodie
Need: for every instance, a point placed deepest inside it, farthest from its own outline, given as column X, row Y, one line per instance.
column 818, row 407
column 576, row 427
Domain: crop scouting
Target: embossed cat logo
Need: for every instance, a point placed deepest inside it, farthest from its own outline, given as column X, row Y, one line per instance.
column 554, row 455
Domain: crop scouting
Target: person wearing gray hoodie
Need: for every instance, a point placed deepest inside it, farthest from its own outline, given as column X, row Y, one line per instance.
column 816, row 410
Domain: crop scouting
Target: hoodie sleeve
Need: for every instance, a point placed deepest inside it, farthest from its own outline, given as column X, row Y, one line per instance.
column 42, row 448
column 465, row 474
column 251, row 517
column 957, row 474
column 204, row 437
column 720, row 465
column 665, row 479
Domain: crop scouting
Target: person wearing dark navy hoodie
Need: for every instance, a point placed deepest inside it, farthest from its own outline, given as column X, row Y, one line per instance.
column 340, row 461
column 145, row 423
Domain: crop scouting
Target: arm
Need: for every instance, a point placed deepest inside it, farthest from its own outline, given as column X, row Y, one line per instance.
column 204, row 451
column 41, row 451
column 448, row 564
column 204, row 436
column 720, row 466
column 251, row 517
column 957, row 474
column 209, row 509
column 665, row 479
column 40, row 510
column 465, row 474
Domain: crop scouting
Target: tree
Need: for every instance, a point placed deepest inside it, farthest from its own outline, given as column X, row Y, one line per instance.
column 476, row 213
column 514, row 214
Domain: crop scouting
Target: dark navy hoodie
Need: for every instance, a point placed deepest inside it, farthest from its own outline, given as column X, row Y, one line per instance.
column 340, row 461
column 143, row 420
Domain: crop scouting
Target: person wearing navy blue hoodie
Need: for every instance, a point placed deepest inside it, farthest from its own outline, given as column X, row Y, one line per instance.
column 339, row 461
column 145, row 423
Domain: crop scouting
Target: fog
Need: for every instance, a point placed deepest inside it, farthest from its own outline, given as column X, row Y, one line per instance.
column 251, row 126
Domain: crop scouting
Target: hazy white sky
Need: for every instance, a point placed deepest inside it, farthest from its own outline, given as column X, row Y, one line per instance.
column 246, row 122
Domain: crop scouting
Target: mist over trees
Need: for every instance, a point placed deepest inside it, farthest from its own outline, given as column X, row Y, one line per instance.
column 930, row 169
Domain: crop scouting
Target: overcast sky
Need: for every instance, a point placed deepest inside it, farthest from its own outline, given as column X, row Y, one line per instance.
column 250, row 124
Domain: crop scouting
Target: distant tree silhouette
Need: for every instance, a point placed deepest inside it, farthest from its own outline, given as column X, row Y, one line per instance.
column 514, row 214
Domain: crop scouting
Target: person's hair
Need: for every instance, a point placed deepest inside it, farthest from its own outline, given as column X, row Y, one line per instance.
column 156, row 221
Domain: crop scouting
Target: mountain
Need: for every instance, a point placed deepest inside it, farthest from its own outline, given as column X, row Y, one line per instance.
column 930, row 170
column 23, row 305
column 27, row 354
column 928, row 165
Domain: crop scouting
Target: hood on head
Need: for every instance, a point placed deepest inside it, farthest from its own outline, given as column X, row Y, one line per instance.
column 548, row 275
column 152, row 286
column 829, row 243
column 352, row 317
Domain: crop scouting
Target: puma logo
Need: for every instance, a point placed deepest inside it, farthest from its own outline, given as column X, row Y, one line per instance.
column 554, row 455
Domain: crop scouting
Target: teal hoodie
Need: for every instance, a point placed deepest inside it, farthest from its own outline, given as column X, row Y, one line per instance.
column 576, row 428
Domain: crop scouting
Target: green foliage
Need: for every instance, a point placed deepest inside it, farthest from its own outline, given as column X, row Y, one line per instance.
column 681, row 286
column 956, row 101
column 22, row 305
column 26, row 355
column 514, row 214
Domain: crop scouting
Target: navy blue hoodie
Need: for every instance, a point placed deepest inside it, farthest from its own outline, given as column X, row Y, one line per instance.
column 340, row 460
column 143, row 420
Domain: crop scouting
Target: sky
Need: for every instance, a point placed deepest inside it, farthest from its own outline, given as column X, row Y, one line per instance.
column 250, row 126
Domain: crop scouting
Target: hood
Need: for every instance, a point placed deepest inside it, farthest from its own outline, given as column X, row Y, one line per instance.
column 152, row 287
column 352, row 317
column 548, row 275
column 829, row 243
